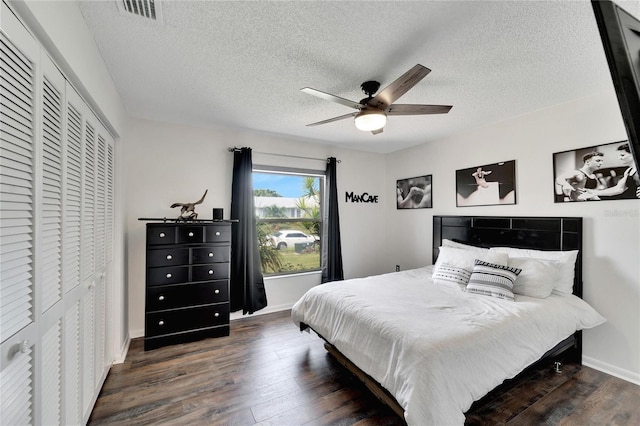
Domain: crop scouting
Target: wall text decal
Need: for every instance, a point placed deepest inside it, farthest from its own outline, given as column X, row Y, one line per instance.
column 362, row 198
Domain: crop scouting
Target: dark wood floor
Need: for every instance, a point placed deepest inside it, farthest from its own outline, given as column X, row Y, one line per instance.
column 268, row 372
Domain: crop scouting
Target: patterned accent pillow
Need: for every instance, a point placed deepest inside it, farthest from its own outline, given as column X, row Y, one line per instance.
column 452, row 276
column 466, row 258
column 493, row 280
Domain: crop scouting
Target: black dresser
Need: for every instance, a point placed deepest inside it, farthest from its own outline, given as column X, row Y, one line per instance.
column 187, row 282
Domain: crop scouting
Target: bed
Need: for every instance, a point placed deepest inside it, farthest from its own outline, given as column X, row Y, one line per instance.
column 430, row 341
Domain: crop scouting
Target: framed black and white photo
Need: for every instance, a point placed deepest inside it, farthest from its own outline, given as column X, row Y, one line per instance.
column 414, row 193
column 486, row 185
column 595, row 173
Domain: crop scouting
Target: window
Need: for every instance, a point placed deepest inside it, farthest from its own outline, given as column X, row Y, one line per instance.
column 289, row 220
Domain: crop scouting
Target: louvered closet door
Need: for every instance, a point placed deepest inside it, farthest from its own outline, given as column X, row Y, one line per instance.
column 103, row 140
column 100, row 228
column 75, row 113
column 95, row 245
column 18, row 111
column 87, row 261
column 49, row 244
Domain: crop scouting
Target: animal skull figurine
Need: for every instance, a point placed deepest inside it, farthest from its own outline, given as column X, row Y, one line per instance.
column 188, row 210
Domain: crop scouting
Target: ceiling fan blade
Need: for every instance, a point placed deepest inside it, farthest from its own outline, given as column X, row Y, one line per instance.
column 330, row 120
column 375, row 132
column 413, row 109
column 332, row 98
column 399, row 87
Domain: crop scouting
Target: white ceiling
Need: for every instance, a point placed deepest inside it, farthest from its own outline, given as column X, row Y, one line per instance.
column 242, row 64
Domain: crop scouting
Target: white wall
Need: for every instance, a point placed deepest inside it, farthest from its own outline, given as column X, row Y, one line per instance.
column 167, row 163
column 611, row 253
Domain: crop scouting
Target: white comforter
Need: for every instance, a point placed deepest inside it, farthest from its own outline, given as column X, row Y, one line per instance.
column 437, row 349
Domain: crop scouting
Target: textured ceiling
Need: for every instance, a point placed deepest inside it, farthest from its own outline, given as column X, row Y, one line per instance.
column 242, row 64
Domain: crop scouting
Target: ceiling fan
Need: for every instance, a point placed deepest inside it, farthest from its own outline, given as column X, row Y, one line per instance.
column 372, row 111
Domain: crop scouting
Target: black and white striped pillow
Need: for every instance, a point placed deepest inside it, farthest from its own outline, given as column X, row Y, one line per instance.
column 452, row 276
column 493, row 280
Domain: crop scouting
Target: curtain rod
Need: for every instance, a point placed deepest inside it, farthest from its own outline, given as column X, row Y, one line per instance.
column 235, row 148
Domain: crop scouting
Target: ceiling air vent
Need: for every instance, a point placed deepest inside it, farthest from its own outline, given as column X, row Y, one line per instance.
column 149, row 9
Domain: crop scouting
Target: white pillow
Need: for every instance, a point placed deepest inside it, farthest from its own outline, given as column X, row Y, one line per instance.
column 454, row 244
column 466, row 258
column 567, row 260
column 538, row 276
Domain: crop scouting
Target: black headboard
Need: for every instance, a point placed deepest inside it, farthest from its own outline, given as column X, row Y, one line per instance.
column 540, row 233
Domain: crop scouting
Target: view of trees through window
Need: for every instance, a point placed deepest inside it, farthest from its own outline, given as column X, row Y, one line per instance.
column 288, row 221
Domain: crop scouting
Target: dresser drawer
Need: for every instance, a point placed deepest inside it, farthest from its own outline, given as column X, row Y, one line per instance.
column 168, row 275
column 163, row 234
column 167, row 257
column 177, row 320
column 210, row 254
column 190, row 234
column 218, row 233
column 208, row 272
column 183, row 295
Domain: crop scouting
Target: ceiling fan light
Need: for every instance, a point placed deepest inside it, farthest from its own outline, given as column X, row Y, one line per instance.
column 369, row 120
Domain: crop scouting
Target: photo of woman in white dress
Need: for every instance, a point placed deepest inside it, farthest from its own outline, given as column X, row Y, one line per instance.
column 486, row 185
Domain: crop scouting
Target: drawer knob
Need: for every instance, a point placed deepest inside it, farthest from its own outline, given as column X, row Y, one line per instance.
column 217, row 314
column 210, row 271
column 216, row 291
column 160, row 322
column 210, row 254
column 169, row 257
column 217, row 233
column 161, row 297
column 191, row 234
column 162, row 235
column 169, row 275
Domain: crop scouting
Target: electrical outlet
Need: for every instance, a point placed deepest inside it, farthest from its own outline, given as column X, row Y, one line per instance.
column 397, row 268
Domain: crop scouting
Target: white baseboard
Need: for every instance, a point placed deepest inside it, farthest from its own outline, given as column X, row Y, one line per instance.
column 123, row 351
column 267, row 310
column 618, row 372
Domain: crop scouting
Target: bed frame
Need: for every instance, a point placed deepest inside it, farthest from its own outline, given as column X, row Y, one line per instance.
column 540, row 233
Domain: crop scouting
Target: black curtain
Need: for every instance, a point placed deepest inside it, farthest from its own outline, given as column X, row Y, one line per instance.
column 247, row 283
column 331, row 248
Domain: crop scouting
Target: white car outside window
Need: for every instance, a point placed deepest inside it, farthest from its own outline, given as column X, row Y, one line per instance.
column 288, row 238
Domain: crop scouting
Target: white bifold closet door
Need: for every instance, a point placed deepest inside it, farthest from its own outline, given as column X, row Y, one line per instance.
column 56, row 238
column 18, row 116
